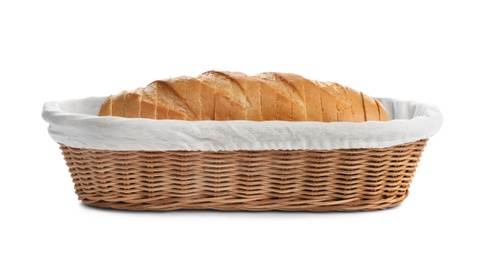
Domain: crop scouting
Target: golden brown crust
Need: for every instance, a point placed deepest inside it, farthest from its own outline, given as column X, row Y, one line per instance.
column 225, row 95
column 357, row 105
column 193, row 94
column 296, row 85
column 106, row 107
column 249, row 106
column 149, row 101
column 118, row 104
column 328, row 101
column 132, row 104
column 343, row 103
column 282, row 107
column 371, row 109
column 230, row 98
column 268, row 100
column 313, row 101
column 382, row 111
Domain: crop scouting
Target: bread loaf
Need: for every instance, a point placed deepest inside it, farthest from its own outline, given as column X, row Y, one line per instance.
column 222, row 95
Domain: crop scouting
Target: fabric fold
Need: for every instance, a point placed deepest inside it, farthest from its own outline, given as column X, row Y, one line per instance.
column 75, row 123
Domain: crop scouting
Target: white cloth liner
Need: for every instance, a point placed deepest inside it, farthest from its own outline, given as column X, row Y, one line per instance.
column 74, row 123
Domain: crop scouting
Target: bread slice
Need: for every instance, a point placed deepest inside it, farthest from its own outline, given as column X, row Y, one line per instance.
column 149, row 101
column 356, row 104
column 132, row 104
column 193, row 96
column 178, row 89
column 106, row 107
column 268, row 101
column 229, row 98
column 296, row 85
column 118, row 104
column 328, row 102
column 370, row 108
column 343, row 103
column 383, row 116
column 313, row 101
column 251, row 91
column 169, row 104
column 282, row 109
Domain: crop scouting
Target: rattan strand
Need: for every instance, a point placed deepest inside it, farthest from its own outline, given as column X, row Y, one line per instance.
column 289, row 180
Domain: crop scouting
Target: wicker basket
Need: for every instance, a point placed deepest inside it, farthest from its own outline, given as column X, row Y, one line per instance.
column 178, row 164
column 291, row 180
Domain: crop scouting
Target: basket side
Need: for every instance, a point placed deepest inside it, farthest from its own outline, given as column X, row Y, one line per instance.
column 290, row 180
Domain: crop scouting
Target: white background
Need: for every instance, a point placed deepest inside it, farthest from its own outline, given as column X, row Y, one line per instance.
column 428, row 51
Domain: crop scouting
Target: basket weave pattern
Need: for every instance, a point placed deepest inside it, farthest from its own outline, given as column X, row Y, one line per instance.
column 291, row 180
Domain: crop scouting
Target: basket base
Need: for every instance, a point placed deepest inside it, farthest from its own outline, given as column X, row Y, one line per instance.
column 291, row 180
column 343, row 206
